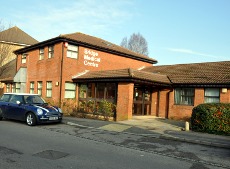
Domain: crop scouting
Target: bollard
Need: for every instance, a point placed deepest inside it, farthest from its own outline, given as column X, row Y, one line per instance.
column 186, row 126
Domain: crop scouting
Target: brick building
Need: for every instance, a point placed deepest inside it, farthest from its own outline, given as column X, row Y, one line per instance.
column 89, row 69
column 10, row 40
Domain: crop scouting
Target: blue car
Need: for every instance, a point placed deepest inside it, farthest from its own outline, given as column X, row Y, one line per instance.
column 30, row 108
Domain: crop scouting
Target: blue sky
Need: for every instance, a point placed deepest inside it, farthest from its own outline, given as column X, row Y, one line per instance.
column 177, row 31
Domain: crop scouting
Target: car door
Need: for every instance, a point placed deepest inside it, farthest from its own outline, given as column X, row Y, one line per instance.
column 16, row 109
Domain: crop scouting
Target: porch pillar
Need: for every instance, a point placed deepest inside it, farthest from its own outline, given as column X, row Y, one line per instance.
column 124, row 101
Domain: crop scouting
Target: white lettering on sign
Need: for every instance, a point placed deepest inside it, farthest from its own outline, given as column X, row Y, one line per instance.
column 91, row 58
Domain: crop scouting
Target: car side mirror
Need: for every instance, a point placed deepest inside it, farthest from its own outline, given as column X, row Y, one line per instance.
column 18, row 102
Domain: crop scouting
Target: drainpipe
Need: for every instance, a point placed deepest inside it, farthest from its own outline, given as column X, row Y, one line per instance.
column 158, row 102
column 60, row 94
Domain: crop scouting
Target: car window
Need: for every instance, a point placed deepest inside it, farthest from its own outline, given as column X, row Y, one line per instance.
column 16, row 98
column 34, row 99
column 5, row 97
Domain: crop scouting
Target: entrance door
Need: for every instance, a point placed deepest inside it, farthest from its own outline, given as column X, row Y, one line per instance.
column 141, row 101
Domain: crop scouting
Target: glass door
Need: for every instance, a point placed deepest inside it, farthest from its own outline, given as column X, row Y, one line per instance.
column 141, row 101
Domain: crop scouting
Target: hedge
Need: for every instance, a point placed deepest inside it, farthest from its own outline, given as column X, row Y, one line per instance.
column 211, row 118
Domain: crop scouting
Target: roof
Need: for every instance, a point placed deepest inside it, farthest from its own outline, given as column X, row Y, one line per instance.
column 8, row 71
column 87, row 39
column 122, row 75
column 17, row 36
column 90, row 42
column 196, row 73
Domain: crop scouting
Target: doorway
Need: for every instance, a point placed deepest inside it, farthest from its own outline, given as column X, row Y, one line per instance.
column 141, row 101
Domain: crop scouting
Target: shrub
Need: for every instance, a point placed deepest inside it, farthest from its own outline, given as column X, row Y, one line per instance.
column 106, row 109
column 211, row 118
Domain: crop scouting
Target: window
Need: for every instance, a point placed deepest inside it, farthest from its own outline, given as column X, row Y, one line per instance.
column 24, row 58
column 100, row 90
column 49, row 89
column 184, row 96
column 51, row 52
column 72, row 51
column 83, row 91
column 41, row 53
column 8, row 88
column 39, row 88
column 70, row 90
column 211, row 95
column 13, row 88
column 31, row 87
column 18, row 87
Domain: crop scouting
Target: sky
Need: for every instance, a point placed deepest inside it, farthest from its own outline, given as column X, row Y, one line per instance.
column 177, row 31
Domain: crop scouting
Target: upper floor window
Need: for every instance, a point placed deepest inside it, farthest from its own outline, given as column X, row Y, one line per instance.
column 184, row 96
column 72, row 51
column 31, row 87
column 211, row 95
column 51, row 51
column 41, row 53
column 24, row 58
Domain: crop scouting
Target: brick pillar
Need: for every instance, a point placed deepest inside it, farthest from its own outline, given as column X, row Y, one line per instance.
column 124, row 101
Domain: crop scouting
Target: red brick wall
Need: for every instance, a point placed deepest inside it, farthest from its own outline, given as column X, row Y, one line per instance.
column 124, row 101
column 49, row 69
column 225, row 97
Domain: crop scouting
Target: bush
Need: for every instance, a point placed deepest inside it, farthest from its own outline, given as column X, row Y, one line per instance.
column 106, row 109
column 211, row 118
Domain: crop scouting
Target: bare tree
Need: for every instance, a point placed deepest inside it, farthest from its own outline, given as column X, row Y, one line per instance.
column 136, row 43
column 6, row 50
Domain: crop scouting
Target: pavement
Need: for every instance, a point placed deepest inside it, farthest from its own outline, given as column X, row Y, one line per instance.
column 151, row 126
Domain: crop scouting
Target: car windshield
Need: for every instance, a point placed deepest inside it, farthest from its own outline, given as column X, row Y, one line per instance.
column 33, row 99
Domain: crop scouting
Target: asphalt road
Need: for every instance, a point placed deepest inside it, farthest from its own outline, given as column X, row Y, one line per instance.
column 61, row 146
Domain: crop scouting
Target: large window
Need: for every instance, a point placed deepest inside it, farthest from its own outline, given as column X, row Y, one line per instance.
column 184, row 96
column 51, row 52
column 49, row 89
column 100, row 90
column 39, row 88
column 72, row 51
column 31, row 87
column 41, row 53
column 70, row 90
column 211, row 95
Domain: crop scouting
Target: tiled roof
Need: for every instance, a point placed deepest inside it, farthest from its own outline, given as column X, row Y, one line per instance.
column 16, row 35
column 87, row 39
column 8, row 71
column 122, row 74
column 197, row 73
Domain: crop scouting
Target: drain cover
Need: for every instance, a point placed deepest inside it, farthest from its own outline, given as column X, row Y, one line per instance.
column 51, row 154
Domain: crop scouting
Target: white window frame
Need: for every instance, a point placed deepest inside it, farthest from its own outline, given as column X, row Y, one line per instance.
column 51, row 51
column 39, row 87
column 41, row 53
column 72, row 51
column 211, row 95
column 49, row 89
column 32, row 87
column 24, row 58
column 70, row 90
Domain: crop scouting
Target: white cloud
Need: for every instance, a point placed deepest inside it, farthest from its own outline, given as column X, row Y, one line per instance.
column 87, row 16
column 191, row 52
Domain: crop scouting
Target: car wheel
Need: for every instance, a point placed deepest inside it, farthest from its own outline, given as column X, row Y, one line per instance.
column 30, row 119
